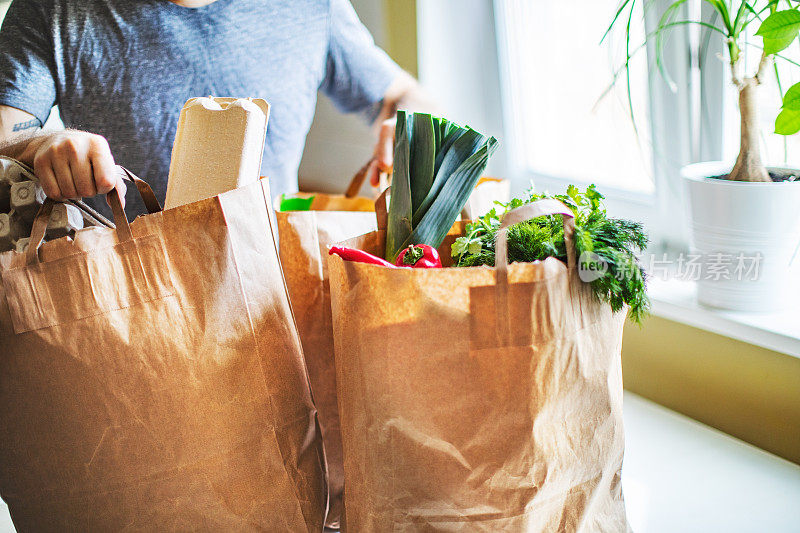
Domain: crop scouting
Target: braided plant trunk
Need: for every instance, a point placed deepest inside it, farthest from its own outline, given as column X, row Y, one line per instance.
column 748, row 165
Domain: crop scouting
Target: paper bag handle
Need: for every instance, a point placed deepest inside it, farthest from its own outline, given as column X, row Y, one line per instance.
column 381, row 213
column 358, row 179
column 536, row 209
column 123, row 228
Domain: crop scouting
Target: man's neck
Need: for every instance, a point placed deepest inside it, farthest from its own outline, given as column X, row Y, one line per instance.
column 192, row 3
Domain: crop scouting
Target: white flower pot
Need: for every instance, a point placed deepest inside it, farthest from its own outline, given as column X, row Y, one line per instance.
column 743, row 225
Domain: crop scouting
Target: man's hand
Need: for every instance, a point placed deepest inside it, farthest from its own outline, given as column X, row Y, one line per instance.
column 74, row 164
column 382, row 158
column 69, row 164
column 403, row 92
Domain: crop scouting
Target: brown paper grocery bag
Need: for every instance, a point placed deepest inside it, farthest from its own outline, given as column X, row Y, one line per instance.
column 478, row 399
column 152, row 377
column 304, row 240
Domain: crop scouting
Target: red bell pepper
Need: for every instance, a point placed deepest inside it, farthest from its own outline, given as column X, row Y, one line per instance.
column 359, row 256
column 419, row 256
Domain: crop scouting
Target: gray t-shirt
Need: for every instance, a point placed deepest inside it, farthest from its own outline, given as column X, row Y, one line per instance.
column 124, row 68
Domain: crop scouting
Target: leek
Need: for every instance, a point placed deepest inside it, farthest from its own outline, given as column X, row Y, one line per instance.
column 437, row 164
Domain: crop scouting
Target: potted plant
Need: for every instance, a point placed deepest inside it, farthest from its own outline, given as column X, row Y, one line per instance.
column 744, row 217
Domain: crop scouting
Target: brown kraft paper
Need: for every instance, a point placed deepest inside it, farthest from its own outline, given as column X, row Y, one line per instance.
column 477, row 399
column 152, row 378
column 305, row 237
column 304, row 240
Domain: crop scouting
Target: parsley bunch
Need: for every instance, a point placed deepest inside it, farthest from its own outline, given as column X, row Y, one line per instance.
column 608, row 242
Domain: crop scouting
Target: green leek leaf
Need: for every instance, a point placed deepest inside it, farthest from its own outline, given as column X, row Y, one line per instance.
column 423, row 155
column 455, row 192
column 437, row 164
column 450, row 134
column 399, row 217
column 466, row 143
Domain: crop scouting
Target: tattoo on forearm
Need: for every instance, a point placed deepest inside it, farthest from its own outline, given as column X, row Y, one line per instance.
column 20, row 126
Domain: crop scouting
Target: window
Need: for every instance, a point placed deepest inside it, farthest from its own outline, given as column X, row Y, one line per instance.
column 565, row 119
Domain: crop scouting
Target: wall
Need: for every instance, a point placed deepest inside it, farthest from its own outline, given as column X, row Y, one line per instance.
column 458, row 65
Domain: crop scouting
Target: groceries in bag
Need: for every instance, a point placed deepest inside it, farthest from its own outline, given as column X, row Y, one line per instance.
column 234, row 130
column 607, row 247
column 308, row 224
column 503, row 409
column 437, row 164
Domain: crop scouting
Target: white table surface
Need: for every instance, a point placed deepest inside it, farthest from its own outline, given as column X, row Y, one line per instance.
column 682, row 476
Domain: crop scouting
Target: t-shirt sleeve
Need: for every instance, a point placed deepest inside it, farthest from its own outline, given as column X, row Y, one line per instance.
column 27, row 62
column 357, row 72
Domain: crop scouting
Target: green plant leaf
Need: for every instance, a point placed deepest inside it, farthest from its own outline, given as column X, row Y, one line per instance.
column 724, row 14
column 614, row 21
column 474, row 247
column 399, row 217
column 423, row 156
column 780, row 93
column 773, row 46
column 780, row 25
column 788, row 122
column 791, row 100
column 756, row 14
column 663, row 24
column 739, row 21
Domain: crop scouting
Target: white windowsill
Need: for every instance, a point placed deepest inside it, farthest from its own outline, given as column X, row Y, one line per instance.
column 676, row 300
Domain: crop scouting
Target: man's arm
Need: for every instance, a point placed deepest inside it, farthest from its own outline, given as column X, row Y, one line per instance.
column 359, row 74
column 15, row 122
column 69, row 164
column 404, row 92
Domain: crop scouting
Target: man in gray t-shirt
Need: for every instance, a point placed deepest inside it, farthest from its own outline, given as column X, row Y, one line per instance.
column 121, row 70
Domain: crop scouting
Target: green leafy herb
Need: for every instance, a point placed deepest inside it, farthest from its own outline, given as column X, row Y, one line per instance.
column 436, row 165
column 613, row 242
